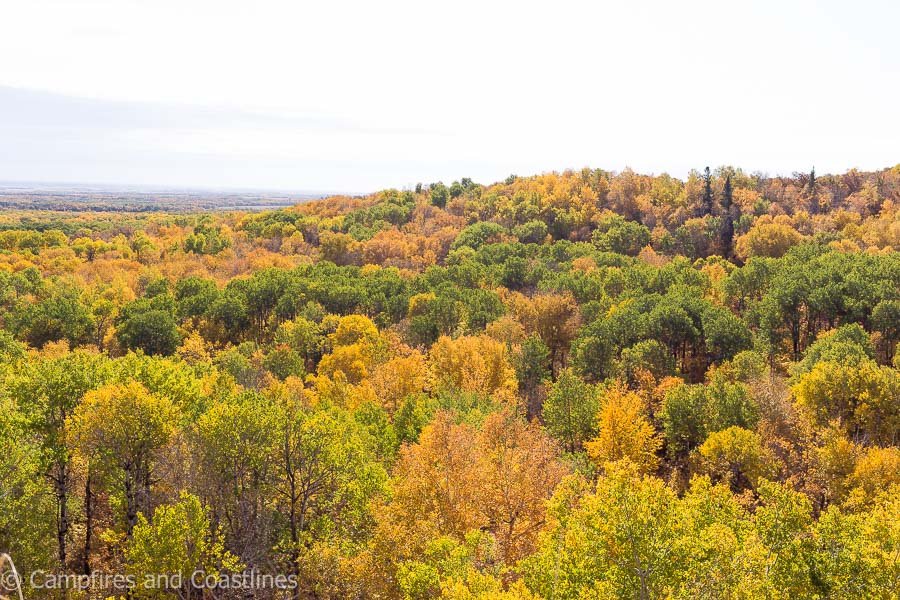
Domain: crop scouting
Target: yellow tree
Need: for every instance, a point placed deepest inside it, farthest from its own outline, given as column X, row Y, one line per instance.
column 554, row 317
column 352, row 361
column 356, row 347
column 864, row 398
column 433, row 493
column 478, row 365
column 877, row 471
column 734, row 456
column 458, row 482
column 518, row 470
column 767, row 239
column 834, row 461
column 397, row 378
column 354, row 329
column 624, row 431
column 124, row 427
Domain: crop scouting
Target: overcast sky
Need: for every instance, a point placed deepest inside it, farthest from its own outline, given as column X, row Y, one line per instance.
column 357, row 96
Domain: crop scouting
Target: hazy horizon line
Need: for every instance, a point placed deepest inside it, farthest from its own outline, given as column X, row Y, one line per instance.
column 8, row 185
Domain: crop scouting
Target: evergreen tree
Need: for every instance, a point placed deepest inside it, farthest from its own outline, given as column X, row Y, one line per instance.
column 727, row 199
column 812, row 192
column 707, row 207
column 727, row 238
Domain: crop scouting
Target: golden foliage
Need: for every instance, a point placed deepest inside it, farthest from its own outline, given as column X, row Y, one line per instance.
column 474, row 364
column 397, row 378
column 624, row 431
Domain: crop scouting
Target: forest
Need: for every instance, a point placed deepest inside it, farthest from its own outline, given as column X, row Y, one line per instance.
column 576, row 385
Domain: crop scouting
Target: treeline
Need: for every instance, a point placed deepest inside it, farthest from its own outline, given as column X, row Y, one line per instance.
column 573, row 385
column 73, row 201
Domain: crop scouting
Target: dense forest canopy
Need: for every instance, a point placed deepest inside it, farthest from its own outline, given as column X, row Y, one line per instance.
column 574, row 385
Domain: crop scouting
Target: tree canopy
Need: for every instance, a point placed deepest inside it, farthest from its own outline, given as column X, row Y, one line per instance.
column 581, row 384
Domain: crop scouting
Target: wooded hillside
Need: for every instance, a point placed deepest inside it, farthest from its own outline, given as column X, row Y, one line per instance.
column 573, row 385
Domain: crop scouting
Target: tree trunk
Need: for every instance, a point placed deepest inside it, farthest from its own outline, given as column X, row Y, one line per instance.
column 292, row 498
column 62, row 500
column 88, row 525
column 130, row 502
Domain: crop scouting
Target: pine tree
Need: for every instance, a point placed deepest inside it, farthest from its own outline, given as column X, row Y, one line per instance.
column 727, row 238
column 707, row 207
column 812, row 192
column 727, row 193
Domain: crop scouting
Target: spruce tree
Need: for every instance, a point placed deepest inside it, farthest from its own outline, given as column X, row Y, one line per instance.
column 727, row 218
column 812, row 192
column 707, row 207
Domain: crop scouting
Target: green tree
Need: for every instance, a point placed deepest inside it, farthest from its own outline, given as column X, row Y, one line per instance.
column 179, row 541
column 283, row 362
column 812, row 192
column 689, row 413
column 674, row 327
column 844, row 560
column 439, row 194
column 621, row 236
column 886, row 321
column 532, row 364
column 303, row 336
column 234, row 445
column 719, row 555
column 49, row 390
column 594, row 350
column 724, row 334
column 27, row 508
column 707, row 204
column 477, row 235
column 619, row 542
column 650, row 356
column 847, row 345
column 727, row 209
column 782, row 522
column 570, row 411
column 60, row 316
column 325, row 478
column 194, row 296
column 865, row 398
column 783, row 308
column 149, row 325
column 532, row 232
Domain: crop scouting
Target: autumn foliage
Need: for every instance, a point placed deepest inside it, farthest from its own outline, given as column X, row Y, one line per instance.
column 583, row 384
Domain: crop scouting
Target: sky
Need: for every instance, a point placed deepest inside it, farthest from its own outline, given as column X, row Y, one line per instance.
column 344, row 96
